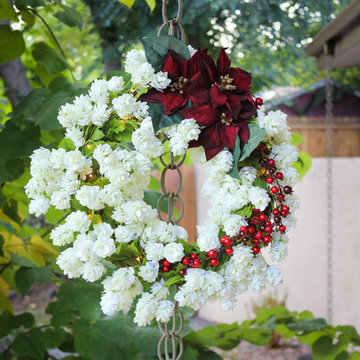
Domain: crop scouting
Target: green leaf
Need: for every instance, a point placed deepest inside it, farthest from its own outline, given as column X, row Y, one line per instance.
column 49, row 58
column 157, row 47
column 9, row 322
column 2, row 241
column 151, row 4
column 6, row 10
column 324, row 349
column 154, row 184
column 297, row 139
column 257, row 134
column 12, row 44
column 283, row 330
column 45, row 77
column 128, row 3
column 69, row 16
column 10, row 209
column 160, row 120
column 27, row 17
column 303, row 164
column 60, row 315
column 152, row 197
column 20, row 260
column 32, row 3
column 306, row 325
column 234, row 172
column 97, row 135
column 67, row 144
column 25, row 277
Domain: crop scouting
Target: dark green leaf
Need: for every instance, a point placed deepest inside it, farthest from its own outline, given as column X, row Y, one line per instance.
column 25, row 277
column 9, row 322
column 11, row 210
column 49, row 58
column 27, row 17
column 157, row 47
column 308, row 325
column 70, row 17
column 324, row 349
column 160, row 120
column 60, row 315
column 257, row 134
column 2, row 241
column 32, row 3
column 20, row 260
column 6, row 10
column 234, row 172
column 12, row 44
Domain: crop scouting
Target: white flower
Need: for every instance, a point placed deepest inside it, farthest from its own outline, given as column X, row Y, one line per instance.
column 273, row 123
column 273, row 275
column 159, row 290
column 39, row 205
column 165, row 310
column 115, row 83
column 60, row 199
column 232, row 224
column 146, row 309
column 208, row 237
column 99, row 92
column 111, row 195
column 247, row 175
column 100, row 114
column 89, row 196
column 149, row 271
column 110, row 303
column 134, row 212
column 278, row 251
column 291, row 176
column 61, row 235
column 93, row 271
column 222, row 162
column 104, row 246
column 69, row 263
column 126, row 105
column 160, row 81
column 285, row 155
column 124, row 234
column 143, row 75
column 82, row 109
column 134, row 59
column 76, row 162
column 259, row 197
column 76, row 135
column 78, row 221
column 83, row 246
column 173, row 252
column 154, row 251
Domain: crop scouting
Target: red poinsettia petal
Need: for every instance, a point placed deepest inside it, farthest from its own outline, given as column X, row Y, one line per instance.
column 227, row 135
column 233, row 103
column 248, row 108
column 175, row 65
column 223, row 63
column 204, row 63
column 203, row 114
column 243, row 131
column 173, row 102
column 198, row 89
column 241, row 79
column 154, row 96
column 210, row 153
column 217, row 97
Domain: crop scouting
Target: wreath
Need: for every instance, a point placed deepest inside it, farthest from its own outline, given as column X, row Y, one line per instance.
column 170, row 98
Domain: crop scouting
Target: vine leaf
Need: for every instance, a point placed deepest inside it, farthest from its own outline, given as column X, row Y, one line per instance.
column 157, row 47
column 234, row 171
column 12, row 44
column 257, row 134
column 160, row 120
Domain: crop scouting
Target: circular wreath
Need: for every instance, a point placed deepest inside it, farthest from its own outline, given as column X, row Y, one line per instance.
column 171, row 98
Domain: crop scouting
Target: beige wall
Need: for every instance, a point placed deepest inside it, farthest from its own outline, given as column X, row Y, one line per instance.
column 305, row 267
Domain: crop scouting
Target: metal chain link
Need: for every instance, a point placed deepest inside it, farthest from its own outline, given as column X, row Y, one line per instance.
column 173, row 335
column 329, row 186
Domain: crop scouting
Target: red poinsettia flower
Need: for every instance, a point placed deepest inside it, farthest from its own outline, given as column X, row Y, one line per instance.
column 185, row 79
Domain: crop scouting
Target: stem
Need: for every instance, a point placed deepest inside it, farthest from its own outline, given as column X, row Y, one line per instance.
column 54, row 38
column 49, row 230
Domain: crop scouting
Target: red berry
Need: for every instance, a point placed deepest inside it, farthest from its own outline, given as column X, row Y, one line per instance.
column 166, row 269
column 283, row 213
column 274, row 189
column 259, row 235
column 182, row 272
column 185, row 260
column 227, row 242
column 287, row 189
column 268, row 229
column 193, row 256
column 256, row 241
column 166, row 263
column 225, row 239
column 262, row 147
column 262, row 217
column 255, row 210
column 255, row 249
column 271, row 162
column 229, row 251
column 285, row 208
column 214, row 262
column 212, row 254
column 251, row 230
column 282, row 228
column 259, row 101
column 269, row 180
column 281, row 197
column 267, row 239
column 276, row 211
column 280, row 175
column 267, row 223
column 255, row 220
column 196, row 263
column 244, row 229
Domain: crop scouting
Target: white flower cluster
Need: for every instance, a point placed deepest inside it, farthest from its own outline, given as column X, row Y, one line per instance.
column 142, row 73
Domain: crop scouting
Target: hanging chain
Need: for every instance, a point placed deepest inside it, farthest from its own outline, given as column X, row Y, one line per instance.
column 329, row 170
column 173, row 24
column 172, row 335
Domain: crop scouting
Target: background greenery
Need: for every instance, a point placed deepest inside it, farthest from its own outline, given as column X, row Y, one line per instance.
column 49, row 52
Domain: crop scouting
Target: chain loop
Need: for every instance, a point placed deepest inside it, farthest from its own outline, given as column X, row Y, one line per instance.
column 175, row 29
column 329, row 170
